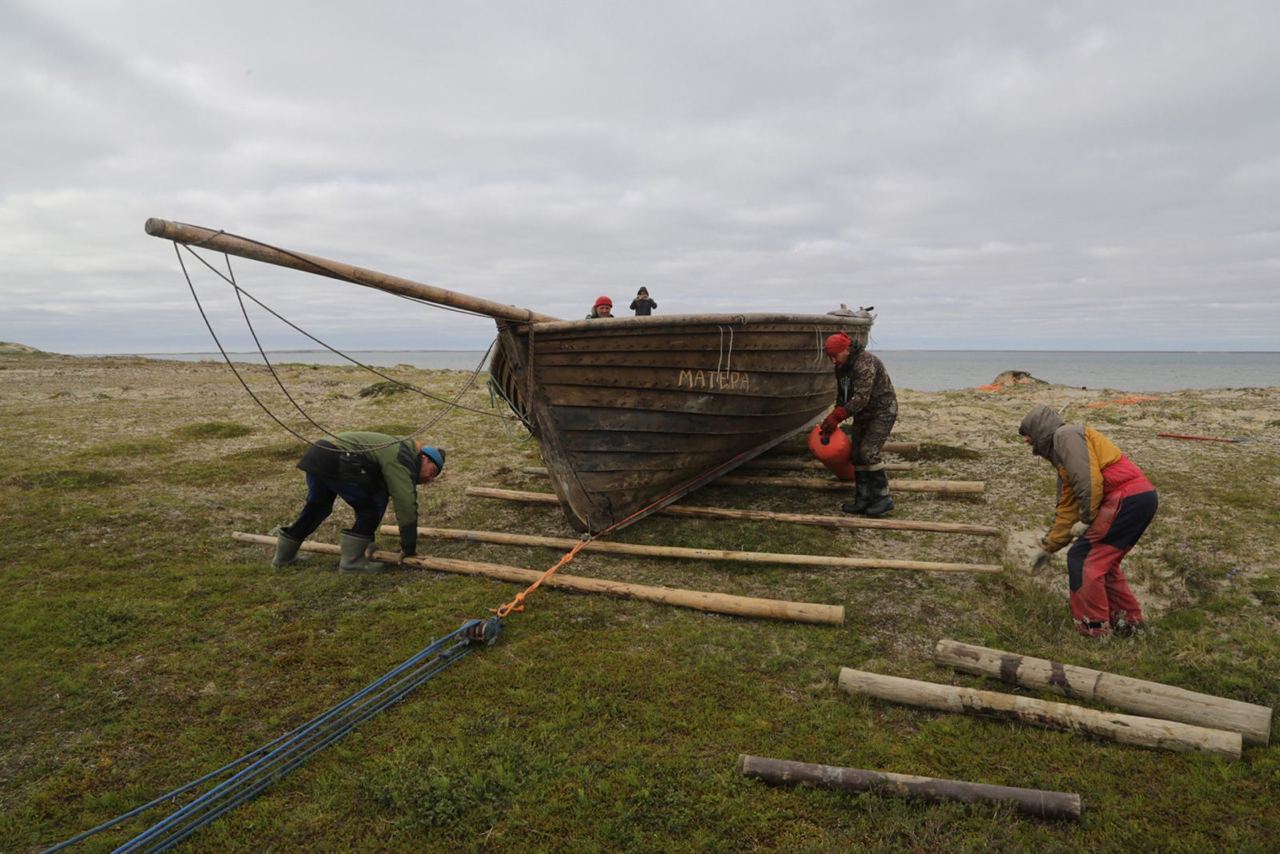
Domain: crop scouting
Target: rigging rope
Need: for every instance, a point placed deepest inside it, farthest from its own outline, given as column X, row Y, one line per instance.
column 262, row 767
column 452, row 404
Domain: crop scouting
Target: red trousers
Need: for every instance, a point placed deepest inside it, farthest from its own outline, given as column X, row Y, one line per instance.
column 1100, row 595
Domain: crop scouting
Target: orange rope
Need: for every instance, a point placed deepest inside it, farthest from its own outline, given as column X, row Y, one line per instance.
column 517, row 604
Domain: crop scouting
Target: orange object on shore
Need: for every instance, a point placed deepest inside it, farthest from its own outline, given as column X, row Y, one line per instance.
column 1122, row 401
column 835, row 452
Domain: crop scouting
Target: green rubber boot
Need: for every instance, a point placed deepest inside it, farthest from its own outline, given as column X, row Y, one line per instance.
column 861, row 497
column 286, row 549
column 880, row 501
column 353, row 554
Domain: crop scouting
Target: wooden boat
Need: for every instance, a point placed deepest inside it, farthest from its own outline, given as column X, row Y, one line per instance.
column 632, row 413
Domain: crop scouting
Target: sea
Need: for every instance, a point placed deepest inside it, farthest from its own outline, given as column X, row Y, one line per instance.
column 921, row 370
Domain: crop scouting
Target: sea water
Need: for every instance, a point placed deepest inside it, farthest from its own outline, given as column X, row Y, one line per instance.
column 922, row 370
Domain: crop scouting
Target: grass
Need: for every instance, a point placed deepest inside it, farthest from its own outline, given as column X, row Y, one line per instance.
column 144, row 648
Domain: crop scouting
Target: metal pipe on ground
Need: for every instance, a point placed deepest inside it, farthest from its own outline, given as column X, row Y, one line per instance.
column 1037, row 802
column 638, row 550
column 762, row 515
column 720, row 603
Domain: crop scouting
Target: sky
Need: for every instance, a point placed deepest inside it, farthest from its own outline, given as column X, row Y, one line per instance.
column 987, row 175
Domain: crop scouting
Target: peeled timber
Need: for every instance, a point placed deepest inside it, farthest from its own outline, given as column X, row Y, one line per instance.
column 1152, row 699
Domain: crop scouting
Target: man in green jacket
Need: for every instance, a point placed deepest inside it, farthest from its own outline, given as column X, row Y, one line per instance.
column 365, row 470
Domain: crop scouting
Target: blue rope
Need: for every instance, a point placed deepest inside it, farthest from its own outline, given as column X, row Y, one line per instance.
column 277, row 758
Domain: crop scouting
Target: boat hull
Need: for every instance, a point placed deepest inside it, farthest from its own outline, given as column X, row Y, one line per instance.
column 634, row 413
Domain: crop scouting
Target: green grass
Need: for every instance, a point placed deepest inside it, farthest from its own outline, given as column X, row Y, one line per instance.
column 144, row 648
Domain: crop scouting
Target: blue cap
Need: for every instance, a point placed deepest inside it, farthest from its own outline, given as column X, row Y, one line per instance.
column 436, row 455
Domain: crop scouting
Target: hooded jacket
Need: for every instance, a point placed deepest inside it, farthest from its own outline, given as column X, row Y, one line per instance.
column 1080, row 454
column 377, row 462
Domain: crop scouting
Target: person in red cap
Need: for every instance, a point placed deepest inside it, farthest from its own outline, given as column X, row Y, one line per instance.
column 865, row 392
column 602, row 308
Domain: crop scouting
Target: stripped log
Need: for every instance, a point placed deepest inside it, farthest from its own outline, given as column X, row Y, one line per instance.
column 941, row 487
column 762, row 515
column 822, row 561
column 791, row 447
column 765, row 467
column 1037, row 802
column 719, row 603
column 1127, row 729
column 1139, row 696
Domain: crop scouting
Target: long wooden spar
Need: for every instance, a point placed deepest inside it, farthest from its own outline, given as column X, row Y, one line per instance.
column 221, row 241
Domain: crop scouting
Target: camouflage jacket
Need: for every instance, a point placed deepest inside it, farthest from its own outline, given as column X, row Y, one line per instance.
column 863, row 386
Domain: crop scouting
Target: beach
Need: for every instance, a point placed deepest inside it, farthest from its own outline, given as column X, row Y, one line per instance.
column 146, row 647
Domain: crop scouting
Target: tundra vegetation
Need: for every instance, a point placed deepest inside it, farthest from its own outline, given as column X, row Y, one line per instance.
column 143, row 647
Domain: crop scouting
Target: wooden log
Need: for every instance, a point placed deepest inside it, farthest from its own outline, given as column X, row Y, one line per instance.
column 1127, row 729
column 220, row 241
column 719, row 603
column 762, row 515
column 1037, row 802
column 889, row 447
column 765, row 467
column 1151, row 699
column 603, row 547
column 941, row 487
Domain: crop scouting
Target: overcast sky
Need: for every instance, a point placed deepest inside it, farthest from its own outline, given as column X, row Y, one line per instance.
column 987, row 175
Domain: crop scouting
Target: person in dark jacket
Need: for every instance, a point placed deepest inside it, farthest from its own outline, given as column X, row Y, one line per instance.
column 1105, row 504
column 365, row 470
column 865, row 393
column 642, row 305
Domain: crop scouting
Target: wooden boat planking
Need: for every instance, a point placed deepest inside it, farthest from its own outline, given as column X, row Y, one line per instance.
column 631, row 413
column 634, row 413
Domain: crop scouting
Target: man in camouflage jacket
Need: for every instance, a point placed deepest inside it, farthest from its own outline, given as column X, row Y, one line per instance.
column 865, row 393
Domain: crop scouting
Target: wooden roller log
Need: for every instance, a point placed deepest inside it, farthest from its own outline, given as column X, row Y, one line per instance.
column 766, row 466
column 846, row 521
column 1127, row 729
column 941, row 487
column 1038, row 802
column 1151, row 699
column 821, row 561
column 720, row 603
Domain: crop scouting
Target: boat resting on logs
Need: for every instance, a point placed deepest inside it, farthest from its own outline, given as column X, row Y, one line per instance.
column 633, row 413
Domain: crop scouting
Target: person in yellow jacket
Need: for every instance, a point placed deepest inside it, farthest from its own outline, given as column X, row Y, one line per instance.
column 1105, row 504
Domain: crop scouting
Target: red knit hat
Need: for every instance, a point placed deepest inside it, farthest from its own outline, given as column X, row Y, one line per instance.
column 603, row 301
column 837, row 344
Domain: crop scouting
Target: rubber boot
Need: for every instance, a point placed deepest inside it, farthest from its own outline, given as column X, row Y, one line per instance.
column 286, row 549
column 353, row 554
column 861, row 498
column 879, row 501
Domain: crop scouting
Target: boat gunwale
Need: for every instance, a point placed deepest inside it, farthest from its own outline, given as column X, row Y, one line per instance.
column 604, row 324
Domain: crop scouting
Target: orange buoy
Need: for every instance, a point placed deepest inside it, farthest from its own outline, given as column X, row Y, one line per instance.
column 834, row 451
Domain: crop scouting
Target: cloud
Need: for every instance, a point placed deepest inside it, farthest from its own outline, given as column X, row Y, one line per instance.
column 987, row 175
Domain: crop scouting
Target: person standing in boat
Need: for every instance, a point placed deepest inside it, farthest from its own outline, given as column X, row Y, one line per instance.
column 603, row 308
column 365, row 470
column 1105, row 504
column 865, row 393
column 642, row 305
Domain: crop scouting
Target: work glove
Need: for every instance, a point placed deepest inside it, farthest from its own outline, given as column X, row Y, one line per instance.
column 1040, row 559
column 832, row 422
column 1078, row 529
column 409, row 539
